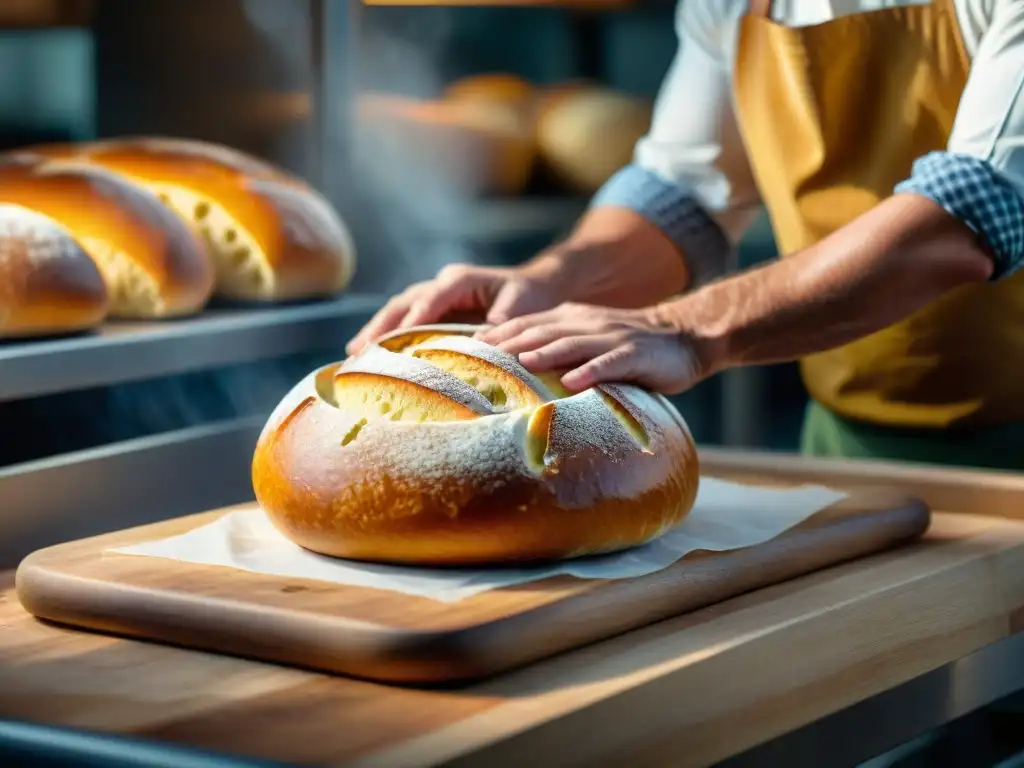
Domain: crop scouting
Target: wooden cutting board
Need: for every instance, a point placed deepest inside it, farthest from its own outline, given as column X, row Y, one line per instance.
column 391, row 637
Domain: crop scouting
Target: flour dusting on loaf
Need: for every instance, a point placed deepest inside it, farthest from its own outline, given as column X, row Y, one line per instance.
column 48, row 282
column 40, row 239
column 434, row 448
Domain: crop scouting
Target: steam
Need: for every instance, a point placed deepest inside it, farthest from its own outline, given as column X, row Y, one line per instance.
column 403, row 53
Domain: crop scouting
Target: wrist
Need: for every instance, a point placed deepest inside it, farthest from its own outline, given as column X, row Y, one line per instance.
column 614, row 258
column 704, row 332
column 676, row 213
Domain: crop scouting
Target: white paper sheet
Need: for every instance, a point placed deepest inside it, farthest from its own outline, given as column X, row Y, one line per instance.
column 725, row 516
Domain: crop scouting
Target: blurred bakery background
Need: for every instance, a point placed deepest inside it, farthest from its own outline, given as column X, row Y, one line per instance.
column 439, row 133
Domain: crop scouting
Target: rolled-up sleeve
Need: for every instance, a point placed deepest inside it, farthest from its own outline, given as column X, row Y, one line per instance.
column 690, row 175
column 980, row 177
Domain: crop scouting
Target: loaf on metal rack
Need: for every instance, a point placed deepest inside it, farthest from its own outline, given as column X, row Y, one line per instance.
column 153, row 264
column 434, row 448
column 48, row 283
column 271, row 236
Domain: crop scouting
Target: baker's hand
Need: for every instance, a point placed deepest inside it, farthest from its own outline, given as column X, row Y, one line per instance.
column 599, row 344
column 498, row 293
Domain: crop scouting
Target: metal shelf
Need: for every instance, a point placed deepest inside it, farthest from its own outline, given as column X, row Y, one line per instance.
column 121, row 352
column 125, row 484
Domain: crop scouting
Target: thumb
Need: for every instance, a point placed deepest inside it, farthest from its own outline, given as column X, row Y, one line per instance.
column 516, row 298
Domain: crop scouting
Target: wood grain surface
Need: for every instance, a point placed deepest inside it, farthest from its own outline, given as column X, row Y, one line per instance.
column 687, row 691
column 961, row 489
column 393, row 637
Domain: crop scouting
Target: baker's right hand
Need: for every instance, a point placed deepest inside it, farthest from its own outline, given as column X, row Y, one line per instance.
column 497, row 293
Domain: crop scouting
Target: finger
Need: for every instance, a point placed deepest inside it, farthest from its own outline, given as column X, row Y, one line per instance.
column 512, row 328
column 567, row 352
column 433, row 304
column 387, row 319
column 457, row 289
column 616, row 364
column 542, row 335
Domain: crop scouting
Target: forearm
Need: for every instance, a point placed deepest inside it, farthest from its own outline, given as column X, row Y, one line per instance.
column 614, row 257
column 902, row 255
column 642, row 240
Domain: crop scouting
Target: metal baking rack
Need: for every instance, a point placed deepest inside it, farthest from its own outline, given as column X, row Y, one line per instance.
column 129, row 351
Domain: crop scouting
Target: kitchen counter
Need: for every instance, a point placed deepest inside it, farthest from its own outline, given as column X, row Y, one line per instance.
column 693, row 690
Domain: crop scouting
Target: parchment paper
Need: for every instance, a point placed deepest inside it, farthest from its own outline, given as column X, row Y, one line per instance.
column 725, row 516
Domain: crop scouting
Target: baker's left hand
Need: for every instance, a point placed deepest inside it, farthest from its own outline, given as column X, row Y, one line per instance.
column 602, row 344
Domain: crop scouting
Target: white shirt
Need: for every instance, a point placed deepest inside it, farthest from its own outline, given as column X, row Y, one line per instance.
column 694, row 141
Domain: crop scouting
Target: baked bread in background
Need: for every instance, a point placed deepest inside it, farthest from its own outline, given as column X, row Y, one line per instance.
column 271, row 236
column 433, row 448
column 240, row 161
column 499, row 87
column 153, row 264
column 48, row 283
column 488, row 133
column 476, row 147
column 587, row 133
column 499, row 90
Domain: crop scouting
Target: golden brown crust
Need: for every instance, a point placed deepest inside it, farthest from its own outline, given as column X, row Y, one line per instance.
column 188, row 149
column 48, row 283
column 153, row 264
column 491, row 86
column 272, row 237
column 405, row 466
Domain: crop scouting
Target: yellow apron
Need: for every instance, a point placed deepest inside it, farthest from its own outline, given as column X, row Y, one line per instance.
column 833, row 116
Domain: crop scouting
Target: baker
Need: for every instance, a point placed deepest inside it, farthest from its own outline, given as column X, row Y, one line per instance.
column 886, row 140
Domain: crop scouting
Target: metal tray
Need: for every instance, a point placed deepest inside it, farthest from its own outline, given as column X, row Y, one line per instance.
column 123, row 351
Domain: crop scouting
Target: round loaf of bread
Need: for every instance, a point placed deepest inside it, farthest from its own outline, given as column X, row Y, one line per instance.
column 153, row 264
column 48, row 283
column 499, row 89
column 272, row 237
column 434, row 448
column 490, row 86
column 586, row 134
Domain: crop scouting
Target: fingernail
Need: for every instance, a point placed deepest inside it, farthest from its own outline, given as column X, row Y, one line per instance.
column 575, row 383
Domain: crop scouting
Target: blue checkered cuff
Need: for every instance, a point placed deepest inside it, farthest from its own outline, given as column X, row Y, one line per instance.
column 674, row 212
column 971, row 190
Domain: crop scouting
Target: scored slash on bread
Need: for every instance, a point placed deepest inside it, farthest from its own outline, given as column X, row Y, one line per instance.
column 389, row 376
column 496, row 374
column 434, row 448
